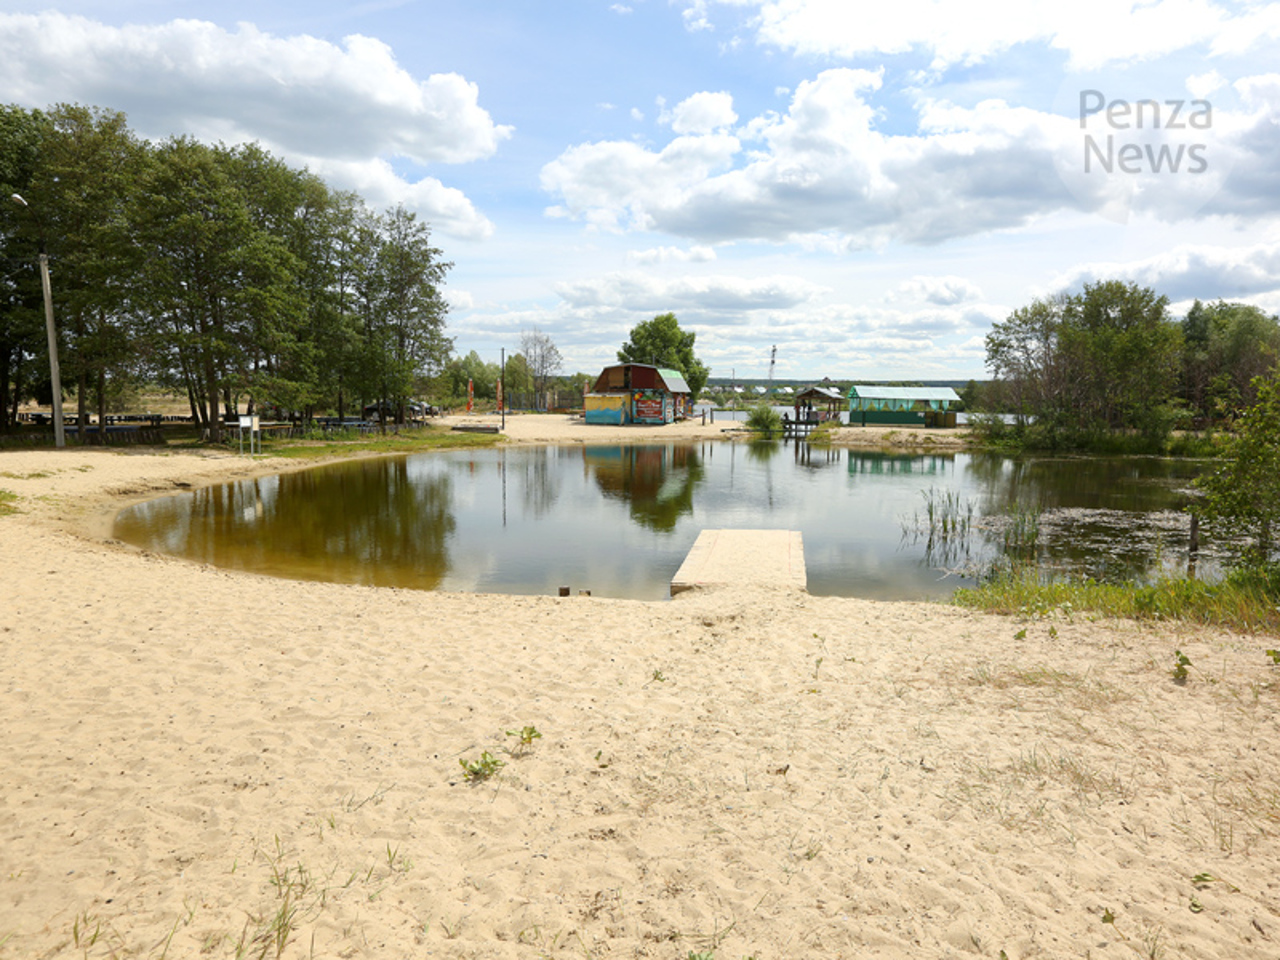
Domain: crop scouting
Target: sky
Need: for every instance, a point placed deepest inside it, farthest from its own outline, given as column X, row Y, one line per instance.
column 865, row 187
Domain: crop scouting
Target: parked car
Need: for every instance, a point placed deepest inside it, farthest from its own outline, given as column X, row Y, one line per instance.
column 387, row 411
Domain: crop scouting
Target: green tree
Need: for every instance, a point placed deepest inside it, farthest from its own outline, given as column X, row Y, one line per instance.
column 1023, row 356
column 215, row 282
column 517, row 379
column 1242, row 497
column 404, row 310
column 1227, row 346
column 471, row 368
column 1106, row 359
column 1122, row 355
column 661, row 342
column 23, row 352
column 84, row 188
column 286, row 322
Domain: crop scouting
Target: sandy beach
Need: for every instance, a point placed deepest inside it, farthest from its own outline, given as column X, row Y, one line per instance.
column 200, row 763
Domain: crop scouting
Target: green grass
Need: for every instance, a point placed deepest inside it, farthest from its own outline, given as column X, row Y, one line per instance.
column 409, row 441
column 1248, row 600
column 7, row 500
column 823, row 433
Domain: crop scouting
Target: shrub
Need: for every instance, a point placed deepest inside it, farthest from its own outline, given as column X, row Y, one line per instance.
column 764, row 419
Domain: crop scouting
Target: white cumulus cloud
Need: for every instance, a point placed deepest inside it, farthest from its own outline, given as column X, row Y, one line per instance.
column 713, row 294
column 1092, row 33
column 339, row 106
column 1190, row 272
column 703, row 113
column 825, row 174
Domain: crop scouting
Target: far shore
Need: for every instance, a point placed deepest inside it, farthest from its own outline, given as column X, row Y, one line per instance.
column 562, row 428
column 202, row 762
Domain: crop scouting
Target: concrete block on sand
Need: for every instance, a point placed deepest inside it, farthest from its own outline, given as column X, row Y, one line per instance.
column 743, row 559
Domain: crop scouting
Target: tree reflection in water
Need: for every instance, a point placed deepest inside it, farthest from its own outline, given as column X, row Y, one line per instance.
column 656, row 482
column 367, row 522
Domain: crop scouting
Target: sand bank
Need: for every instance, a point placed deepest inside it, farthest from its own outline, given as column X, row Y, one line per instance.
column 197, row 762
column 536, row 428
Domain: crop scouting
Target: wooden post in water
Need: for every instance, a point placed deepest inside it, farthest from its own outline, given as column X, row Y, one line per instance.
column 1193, row 547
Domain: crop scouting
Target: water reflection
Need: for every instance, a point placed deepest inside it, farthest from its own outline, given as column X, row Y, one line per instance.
column 371, row 521
column 656, row 482
column 619, row 519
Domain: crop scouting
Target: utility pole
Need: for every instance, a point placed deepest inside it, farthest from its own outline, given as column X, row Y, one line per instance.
column 773, row 357
column 55, row 374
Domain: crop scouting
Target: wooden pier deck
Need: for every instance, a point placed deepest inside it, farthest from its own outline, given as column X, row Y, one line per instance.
column 743, row 559
column 792, row 429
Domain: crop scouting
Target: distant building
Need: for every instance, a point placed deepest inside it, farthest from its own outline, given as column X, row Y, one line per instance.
column 637, row 393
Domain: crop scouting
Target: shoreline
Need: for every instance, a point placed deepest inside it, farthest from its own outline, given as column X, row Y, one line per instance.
column 771, row 774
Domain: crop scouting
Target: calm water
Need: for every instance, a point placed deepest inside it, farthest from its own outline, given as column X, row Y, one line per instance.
column 618, row 520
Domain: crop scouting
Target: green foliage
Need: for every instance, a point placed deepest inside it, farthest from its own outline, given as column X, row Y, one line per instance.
column 824, row 433
column 219, row 272
column 477, row 771
column 763, row 419
column 7, row 499
column 1180, row 663
column 1227, row 346
column 407, row 441
column 483, row 376
column 661, row 342
column 524, row 738
column 517, row 378
column 1244, row 601
column 1072, row 368
column 1242, row 497
column 526, row 735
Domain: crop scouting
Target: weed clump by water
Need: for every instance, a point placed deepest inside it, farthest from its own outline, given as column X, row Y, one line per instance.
column 1248, row 600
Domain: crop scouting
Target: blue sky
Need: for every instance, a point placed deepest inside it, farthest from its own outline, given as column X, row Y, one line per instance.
column 866, row 187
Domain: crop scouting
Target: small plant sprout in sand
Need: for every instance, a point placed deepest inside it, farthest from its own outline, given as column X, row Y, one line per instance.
column 1180, row 663
column 524, row 740
column 1275, row 657
column 477, row 771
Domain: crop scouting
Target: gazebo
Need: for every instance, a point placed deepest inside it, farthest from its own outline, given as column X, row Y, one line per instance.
column 822, row 403
column 922, row 406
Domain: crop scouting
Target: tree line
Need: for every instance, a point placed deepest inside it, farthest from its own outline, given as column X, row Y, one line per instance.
column 1075, row 369
column 220, row 273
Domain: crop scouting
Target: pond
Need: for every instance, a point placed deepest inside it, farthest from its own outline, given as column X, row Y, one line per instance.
column 618, row 520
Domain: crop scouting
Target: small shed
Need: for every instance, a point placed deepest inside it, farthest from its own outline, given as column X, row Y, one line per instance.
column 922, row 406
column 637, row 393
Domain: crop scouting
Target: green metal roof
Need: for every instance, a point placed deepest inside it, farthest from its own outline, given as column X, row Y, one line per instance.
column 866, row 391
column 675, row 382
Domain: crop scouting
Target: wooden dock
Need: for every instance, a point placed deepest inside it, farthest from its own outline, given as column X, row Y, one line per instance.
column 798, row 429
column 743, row 559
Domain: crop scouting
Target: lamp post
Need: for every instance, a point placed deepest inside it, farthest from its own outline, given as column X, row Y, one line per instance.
column 59, row 435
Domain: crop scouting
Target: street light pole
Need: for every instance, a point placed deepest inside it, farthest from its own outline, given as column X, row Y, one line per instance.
column 55, row 375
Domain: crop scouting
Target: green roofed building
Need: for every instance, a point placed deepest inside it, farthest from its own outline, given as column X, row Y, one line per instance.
column 918, row 406
column 637, row 393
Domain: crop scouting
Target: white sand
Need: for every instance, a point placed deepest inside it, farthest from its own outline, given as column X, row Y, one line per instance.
column 196, row 761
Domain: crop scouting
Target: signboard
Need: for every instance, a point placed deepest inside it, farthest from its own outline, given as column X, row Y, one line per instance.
column 648, row 407
column 250, row 424
column 499, row 393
